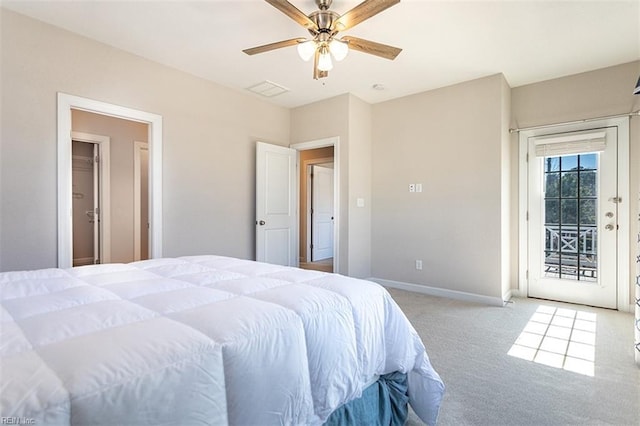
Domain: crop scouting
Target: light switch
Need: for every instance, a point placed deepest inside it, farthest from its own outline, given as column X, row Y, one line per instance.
column 360, row 202
column 418, row 187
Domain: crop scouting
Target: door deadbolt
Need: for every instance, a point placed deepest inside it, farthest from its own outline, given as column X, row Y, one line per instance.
column 609, row 214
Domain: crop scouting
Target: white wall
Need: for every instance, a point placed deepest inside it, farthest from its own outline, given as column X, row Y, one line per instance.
column 209, row 142
column 454, row 142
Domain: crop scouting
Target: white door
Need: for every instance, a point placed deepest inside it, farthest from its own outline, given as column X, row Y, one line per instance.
column 276, row 201
column 573, row 211
column 321, row 213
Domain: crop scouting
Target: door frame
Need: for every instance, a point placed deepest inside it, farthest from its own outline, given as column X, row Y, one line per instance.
column 68, row 102
column 323, row 143
column 104, row 189
column 623, row 240
column 137, row 223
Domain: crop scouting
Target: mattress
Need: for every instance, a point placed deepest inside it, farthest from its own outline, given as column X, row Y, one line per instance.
column 200, row 340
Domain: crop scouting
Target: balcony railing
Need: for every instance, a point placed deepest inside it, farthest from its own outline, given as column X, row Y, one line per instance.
column 571, row 251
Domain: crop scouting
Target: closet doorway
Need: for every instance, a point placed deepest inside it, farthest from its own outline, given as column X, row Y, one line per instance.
column 122, row 126
column 90, row 199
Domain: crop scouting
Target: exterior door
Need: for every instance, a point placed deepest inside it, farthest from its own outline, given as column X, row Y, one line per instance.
column 573, row 213
column 322, row 213
column 276, row 201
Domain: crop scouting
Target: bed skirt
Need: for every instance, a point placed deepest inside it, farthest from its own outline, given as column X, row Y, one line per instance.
column 385, row 402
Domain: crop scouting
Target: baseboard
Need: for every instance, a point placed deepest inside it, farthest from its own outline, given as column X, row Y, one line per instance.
column 441, row 292
column 517, row 293
column 83, row 261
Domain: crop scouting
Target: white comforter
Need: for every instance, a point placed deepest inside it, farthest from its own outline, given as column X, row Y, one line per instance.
column 199, row 340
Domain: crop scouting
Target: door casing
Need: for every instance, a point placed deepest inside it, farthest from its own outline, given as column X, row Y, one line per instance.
column 68, row 102
column 323, row 143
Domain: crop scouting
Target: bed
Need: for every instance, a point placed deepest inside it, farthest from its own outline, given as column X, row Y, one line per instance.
column 205, row 340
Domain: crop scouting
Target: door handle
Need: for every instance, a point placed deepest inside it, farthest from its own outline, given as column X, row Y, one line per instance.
column 262, row 223
column 608, row 227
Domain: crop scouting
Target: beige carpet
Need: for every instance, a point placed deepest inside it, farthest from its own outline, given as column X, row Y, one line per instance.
column 469, row 346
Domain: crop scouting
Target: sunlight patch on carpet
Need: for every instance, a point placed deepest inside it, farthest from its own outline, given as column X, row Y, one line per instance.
column 560, row 338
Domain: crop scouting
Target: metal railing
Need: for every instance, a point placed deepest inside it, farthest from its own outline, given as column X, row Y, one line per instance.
column 571, row 250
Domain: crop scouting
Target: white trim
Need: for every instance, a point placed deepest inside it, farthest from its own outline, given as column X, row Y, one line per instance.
column 65, row 229
column 104, row 154
column 624, row 216
column 309, row 240
column 319, row 143
column 322, row 143
column 622, row 123
column 442, row 292
column 137, row 225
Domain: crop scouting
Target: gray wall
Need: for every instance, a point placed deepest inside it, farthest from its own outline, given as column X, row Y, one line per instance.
column 209, row 142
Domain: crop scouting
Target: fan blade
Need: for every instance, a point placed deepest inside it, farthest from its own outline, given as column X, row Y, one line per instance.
column 294, row 13
column 372, row 48
column 364, row 10
column 273, row 46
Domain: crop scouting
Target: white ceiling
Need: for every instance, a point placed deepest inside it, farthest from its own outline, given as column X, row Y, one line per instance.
column 444, row 42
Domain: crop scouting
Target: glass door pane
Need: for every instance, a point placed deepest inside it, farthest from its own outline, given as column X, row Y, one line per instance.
column 570, row 217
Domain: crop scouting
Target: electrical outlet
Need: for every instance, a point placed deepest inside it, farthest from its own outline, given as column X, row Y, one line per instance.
column 412, row 187
column 419, row 265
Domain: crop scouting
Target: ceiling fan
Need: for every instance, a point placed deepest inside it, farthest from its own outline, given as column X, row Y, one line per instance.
column 324, row 25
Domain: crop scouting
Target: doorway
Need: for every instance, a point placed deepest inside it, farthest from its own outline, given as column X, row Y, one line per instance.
column 153, row 133
column 278, row 211
column 317, row 213
column 576, row 222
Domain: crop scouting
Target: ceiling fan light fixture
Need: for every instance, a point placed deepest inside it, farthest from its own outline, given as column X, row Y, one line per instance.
column 339, row 49
column 324, row 26
column 324, row 62
column 306, row 49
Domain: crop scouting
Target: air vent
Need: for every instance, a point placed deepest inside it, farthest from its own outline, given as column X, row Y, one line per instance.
column 268, row 89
